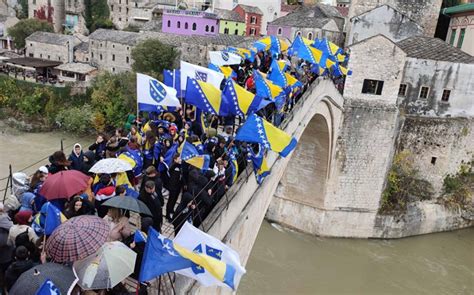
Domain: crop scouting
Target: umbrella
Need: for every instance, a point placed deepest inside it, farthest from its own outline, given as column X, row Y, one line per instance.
column 128, row 203
column 31, row 280
column 77, row 238
column 111, row 165
column 64, row 184
column 109, row 266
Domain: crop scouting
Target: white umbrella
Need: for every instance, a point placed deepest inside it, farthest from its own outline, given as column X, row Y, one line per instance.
column 112, row 263
column 111, row 165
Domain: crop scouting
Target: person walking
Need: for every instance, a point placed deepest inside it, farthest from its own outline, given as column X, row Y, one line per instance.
column 152, row 201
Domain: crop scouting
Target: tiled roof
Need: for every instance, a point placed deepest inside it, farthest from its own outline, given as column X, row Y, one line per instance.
column 308, row 17
column 121, row 37
column 220, row 39
column 51, row 38
column 251, row 9
column 83, row 46
column 228, row 15
column 288, row 8
column 76, row 67
column 434, row 49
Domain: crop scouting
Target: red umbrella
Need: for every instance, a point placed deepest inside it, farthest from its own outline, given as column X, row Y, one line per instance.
column 77, row 238
column 64, row 184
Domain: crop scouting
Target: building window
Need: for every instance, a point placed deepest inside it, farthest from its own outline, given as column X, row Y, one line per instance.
column 120, row 9
column 279, row 32
column 402, row 91
column 101, row 44
column 310, row 36
column 236, row 32
column 113, row 70
column 127, row 59
column 100, row 56
column 126, row 11
column 424, row 92
column 120, row 1
column 31, row 44
column 111, row 8
column 194, row 26
column 136, row 4
column 186, row 26
column 372, row 87
column 253, row 20
column 178, row 24
column 446, row 95
column 461, row 37
column 113, row 57
column 169, row 23
column 113, row 45
column 226, row 31
column 120, row 19
column 252, row 32
column 453, row 37
column 31, row 55
column 433, row 160
column 49, row 56
column 207, row 28
column 92, row 54
column 212, row 29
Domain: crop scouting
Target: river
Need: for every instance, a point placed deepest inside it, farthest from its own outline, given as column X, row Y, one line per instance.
column 286, row 262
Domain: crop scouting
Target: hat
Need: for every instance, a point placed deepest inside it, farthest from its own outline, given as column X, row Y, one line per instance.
column 43, row 169
column 23, row 217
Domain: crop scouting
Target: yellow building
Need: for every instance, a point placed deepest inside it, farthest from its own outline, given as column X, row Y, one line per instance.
column 230, row 22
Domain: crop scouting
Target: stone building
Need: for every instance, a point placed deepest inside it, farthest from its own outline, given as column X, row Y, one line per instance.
column 438, row 78
column 51, row 46
column 74, row 17
column 382, row 20
column 119, row 12
column 253, row 17
column 461, row 27
column 425, row 12
column 188, row 22
column 230, row 22
column 52, row 11
column 310, row 22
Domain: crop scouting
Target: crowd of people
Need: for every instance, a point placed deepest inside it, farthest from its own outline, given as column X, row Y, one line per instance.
column 173, row 190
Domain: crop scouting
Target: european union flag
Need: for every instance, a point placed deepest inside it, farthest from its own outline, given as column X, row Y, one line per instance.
column 53, row 219
column 190, row 155
column 206, row 97
column 48, row 288
column 172, row 78
column 160, row 257
column 258, row 130
column 241, row 101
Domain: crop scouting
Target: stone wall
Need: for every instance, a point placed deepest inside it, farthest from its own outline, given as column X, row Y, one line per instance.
column 110, row 56
column 47, row 51
column 54, row 11
column 425, row 12
column 439, row 76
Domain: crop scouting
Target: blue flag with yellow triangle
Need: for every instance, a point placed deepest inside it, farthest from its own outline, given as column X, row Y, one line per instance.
column 191, row 155
column 241, row 101
column 206, row 97
column 53, row 219
column 260, row 166
column 258, row 130
column 265, row 88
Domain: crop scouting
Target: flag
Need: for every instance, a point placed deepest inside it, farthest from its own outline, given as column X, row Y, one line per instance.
column 152, row 93
column 292, row 81
column 199, row 73
column 190, row 155
column 224, row 58
column 259, row 162
column 139, row 237
column 243, row 52
column 168, row 158
column 215, row 262
column 258, row 130
column 265, row 88
column 227, row 71
column 206, row 97
column 332, row 50
column 308, row 53
column 160, row 257
column 338, row 70
column 240, row 101
column 234, row 165
column 277, row 45
column 53, row 219
column 48, row 288
column 172, row 78
column 134, row 158
column 276, row 75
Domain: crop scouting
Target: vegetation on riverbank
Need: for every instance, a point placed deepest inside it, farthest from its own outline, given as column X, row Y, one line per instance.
column 404, row 185
column 458, row 188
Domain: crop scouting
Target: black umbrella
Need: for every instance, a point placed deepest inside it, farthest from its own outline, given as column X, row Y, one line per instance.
column 30, row 281
column 128, row 203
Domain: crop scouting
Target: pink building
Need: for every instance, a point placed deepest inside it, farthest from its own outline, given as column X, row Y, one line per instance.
column 187, row 22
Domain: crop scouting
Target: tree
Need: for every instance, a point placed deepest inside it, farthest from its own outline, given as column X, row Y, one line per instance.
column 26, row 27
column 22, row 9
column 97, row 15
column 151, row 57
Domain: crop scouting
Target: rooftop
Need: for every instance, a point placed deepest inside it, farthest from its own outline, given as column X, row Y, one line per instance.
column 121, row 37
column 34, row 62
column 83, row 46
column 434, row 49
column 251, row 9
column 316, row 16
column 75, row 67
column 288, row 8
column 468, row 7
column 219, row 39
column 228, row 15
column 51, row 38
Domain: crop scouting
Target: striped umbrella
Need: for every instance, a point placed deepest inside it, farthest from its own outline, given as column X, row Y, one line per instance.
column 77, row 238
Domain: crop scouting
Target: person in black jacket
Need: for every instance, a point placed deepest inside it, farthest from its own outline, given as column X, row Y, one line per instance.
column 152, row 174
column 22, row 263
column 99, row 146
column 175, row 185
column 76, row 157
column 152, row 201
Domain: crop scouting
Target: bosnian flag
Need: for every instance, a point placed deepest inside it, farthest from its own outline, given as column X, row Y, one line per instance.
column 201, row 74
column 224, row 58
column 151, row 93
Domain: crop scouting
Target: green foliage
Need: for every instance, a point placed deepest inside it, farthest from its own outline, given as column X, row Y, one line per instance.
column 132, row 28
column 97, row 15
column 458, row 188
column 76, row 119
column 151, row 57
column 403, row 186
column 22, row 9
column 26, row 27
column 113, row 98
column 33, row 103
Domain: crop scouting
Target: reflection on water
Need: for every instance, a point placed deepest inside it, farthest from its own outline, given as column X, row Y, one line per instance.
column 285, row 262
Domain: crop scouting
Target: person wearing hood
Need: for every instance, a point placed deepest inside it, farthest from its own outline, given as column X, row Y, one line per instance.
column 28, row 202
column 76, row 157
column 88, row 162
column 58, row 162
column 22, row 220
column 21, row 264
